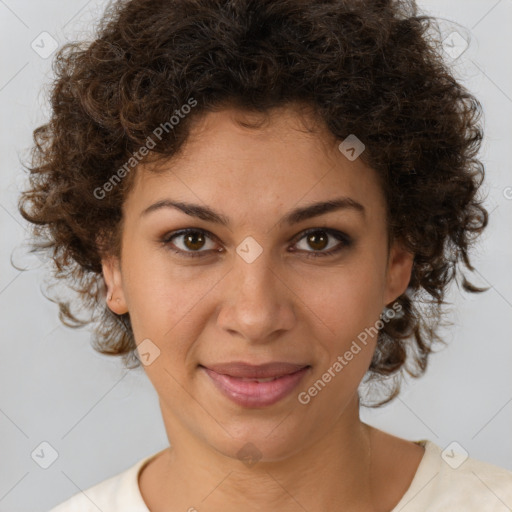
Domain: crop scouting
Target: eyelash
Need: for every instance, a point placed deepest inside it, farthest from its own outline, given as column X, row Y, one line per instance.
column 338, row 235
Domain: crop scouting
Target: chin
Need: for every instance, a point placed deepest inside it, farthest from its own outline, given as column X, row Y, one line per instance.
column 267, row 440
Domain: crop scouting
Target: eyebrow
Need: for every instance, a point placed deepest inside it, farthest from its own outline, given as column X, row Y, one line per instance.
column 294, row 217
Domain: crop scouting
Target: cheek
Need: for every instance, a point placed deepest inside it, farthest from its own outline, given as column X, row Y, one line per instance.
column 161, row 295
column 348, row 301
column 350, row 306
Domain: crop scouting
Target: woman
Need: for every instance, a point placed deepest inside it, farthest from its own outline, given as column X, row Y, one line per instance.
column 257, row 200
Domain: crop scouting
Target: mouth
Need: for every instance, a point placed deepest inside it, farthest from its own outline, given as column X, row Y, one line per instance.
column 255, row 386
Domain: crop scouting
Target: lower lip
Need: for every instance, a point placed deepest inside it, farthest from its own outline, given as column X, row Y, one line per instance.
column 255, row 394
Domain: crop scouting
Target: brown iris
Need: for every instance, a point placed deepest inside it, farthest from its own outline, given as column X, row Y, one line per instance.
column 318, row 240
column 194, row 240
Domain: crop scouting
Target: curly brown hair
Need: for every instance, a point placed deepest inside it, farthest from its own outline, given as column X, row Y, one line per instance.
column 370, row 68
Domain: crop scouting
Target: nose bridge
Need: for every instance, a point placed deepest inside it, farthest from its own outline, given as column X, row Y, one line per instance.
column 258, row 304
column 256, row 279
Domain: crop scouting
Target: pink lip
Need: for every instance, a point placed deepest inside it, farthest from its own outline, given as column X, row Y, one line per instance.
column 252, row 371
column 228, row 380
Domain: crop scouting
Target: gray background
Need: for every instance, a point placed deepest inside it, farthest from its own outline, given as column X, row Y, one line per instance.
column 101, row 418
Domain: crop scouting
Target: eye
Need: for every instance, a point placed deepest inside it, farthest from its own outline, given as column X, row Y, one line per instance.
column 190, row 242
column 318, row 239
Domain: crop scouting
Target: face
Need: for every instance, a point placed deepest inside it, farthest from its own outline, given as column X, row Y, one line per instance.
column 252, row 283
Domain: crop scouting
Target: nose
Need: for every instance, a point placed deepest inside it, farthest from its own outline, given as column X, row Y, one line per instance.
column 258, row 304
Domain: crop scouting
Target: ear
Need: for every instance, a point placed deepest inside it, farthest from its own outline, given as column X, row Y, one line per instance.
column 114, row 283
column 398, row 274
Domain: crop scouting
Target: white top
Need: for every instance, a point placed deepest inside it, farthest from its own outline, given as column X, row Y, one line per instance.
column 443, row 482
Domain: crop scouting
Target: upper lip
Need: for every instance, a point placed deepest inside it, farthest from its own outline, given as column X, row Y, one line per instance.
column 263, row 371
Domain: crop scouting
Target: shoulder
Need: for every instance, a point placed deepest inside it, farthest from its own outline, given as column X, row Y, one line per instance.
column 450, row 480
column 119, row 493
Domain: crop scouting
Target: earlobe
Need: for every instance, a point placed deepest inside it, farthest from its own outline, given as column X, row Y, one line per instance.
column 113, row 282
column 399, row 272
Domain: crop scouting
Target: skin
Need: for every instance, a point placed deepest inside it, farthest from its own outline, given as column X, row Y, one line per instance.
column 283, row 306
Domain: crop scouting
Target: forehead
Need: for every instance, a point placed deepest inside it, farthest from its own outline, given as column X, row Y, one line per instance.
column 245, row 162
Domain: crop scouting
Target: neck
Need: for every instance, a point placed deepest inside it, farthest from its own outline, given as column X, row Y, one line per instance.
column 332, row 472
